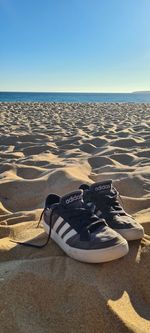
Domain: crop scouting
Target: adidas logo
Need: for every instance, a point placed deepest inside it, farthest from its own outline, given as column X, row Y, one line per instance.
column 102, row 187
column 73, row 198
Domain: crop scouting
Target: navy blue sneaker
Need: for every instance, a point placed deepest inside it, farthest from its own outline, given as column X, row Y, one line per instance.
column 105, row 198
column 79, row 232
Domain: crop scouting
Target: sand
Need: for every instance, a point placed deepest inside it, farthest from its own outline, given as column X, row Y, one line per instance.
column 54, row 147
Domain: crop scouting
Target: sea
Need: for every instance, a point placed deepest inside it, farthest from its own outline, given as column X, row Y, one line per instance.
column 46, row 97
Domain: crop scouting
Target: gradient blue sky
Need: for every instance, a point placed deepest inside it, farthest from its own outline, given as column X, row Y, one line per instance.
column 75, row 45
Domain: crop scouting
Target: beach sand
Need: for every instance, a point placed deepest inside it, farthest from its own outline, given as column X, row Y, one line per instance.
column 55, row 147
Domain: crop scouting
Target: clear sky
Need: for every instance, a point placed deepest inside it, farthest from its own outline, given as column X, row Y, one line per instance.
column 75, row 45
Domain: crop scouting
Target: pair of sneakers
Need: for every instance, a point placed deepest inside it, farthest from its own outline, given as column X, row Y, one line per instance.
column 89, row 224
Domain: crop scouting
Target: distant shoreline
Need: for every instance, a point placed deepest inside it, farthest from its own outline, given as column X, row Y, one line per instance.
column 141, row 92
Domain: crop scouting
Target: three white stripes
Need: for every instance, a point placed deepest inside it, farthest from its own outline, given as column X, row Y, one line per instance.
column 64, row 228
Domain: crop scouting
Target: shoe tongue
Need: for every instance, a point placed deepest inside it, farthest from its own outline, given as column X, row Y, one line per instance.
column 74, row 199
column 101, row 187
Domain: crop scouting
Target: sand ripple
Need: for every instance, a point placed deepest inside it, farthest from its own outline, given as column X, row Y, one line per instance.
column 54, row 147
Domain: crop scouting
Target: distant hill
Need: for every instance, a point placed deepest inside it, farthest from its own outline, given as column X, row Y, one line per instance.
column 141, row 92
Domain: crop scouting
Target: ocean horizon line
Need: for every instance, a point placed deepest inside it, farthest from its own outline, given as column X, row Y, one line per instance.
column 77, row 92
column 68, row 92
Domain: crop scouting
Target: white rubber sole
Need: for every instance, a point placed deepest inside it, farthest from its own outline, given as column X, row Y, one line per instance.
column 90, row 256
column 131, row 234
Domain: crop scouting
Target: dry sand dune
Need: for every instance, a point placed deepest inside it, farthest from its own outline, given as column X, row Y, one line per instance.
column 54, row 147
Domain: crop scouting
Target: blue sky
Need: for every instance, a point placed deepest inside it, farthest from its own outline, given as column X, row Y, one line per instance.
column 75, row 45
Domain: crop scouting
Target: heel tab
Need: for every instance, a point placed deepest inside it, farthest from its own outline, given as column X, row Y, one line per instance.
column 51, row 199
